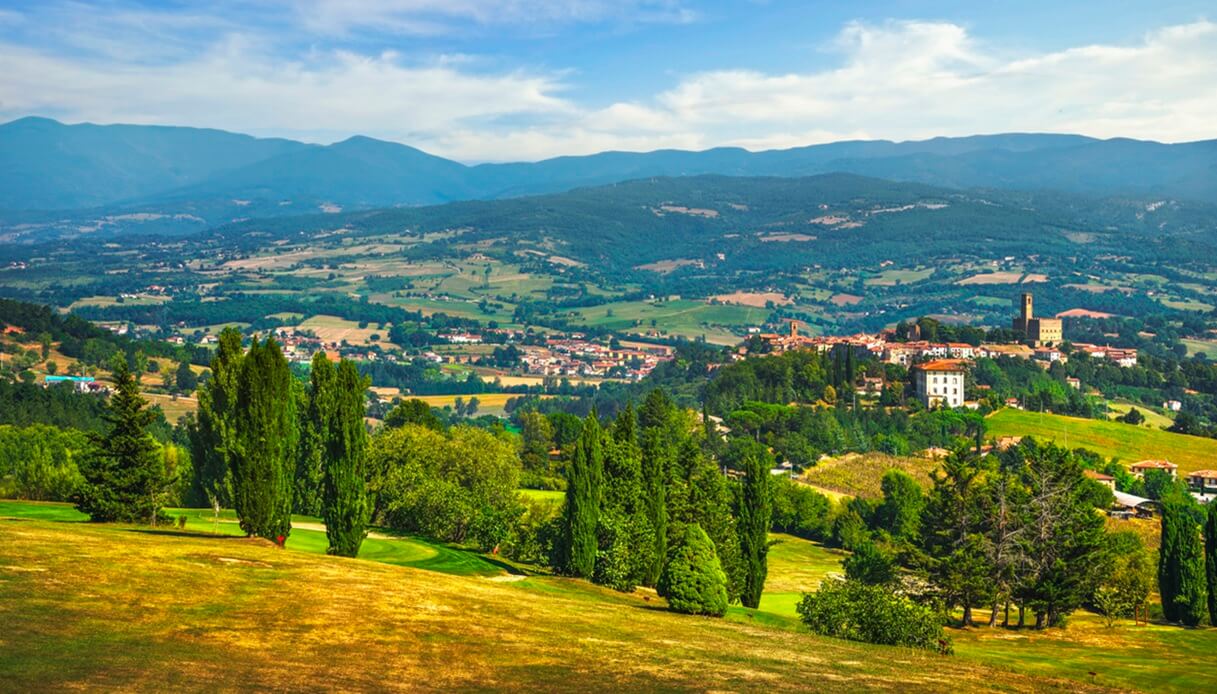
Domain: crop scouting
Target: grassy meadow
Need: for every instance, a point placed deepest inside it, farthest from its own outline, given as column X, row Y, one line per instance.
column 117, row 607
column 1110, row 439
column 135, row 608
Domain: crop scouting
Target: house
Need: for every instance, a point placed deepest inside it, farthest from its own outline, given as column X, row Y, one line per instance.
column 1140, row 468
column 1172, row 405
column 1203, row 481
column 940, row 382
column 1073, row 382
column 1105, row 480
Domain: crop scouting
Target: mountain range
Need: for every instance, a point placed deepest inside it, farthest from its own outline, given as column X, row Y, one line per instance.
column 49, row 170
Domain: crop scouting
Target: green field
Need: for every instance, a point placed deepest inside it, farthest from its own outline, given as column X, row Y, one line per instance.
column 1110, row 439
column 99, row 606
column 92, row 606
column 678, row 317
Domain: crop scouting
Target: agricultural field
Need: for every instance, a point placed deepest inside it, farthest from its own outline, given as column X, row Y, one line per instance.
column 892, row 278
column 1110, row 439
column 1196, row 346
column 334, row 329
column 676, row 317
column 859, row 474
column 488, row 403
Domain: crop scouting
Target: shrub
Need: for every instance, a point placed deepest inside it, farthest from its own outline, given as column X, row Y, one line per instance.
column 692, row 579
column 869, row 564
column 874, row 614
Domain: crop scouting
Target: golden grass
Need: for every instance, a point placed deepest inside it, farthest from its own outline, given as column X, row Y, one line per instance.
column 107, row 607
column 859, row 474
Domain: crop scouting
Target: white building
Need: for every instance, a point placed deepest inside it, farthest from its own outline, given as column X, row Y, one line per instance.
column 940, row 382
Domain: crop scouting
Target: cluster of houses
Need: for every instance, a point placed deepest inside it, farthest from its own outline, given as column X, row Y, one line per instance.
column 576, row 356
column 1202, row 484
column 82, row 384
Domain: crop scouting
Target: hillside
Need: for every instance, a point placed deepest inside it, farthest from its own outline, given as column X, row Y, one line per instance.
column 1110, row 439
column 112, row 607
column 119, row 175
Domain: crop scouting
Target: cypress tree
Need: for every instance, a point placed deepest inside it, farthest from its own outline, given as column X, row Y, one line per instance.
column 124, row 474
column 581, row 515
column 1210, row 559
column 213, row 439
column 1193, row 594
column 317, row 408
column 345, row 505
column 753, row 524
column 657, row 439
column 1169, row 555
column 264, row 457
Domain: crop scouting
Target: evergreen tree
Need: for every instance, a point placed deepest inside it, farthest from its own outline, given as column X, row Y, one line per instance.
column 657, row 439
column 692, row 579
column 625, row 535
column 1064, row 542
column 315, row 409
column 1210, row 560
column 1170, row 553
column 213, row 438
column 581, row 514
column 124, row 475
column 952, row 538
column 1181, row 567
column 345, row 507
column 753, row 523
column 263, row 459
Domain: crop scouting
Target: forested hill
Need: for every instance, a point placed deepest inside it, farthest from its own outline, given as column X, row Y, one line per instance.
column 714, row 225
column 137, row 178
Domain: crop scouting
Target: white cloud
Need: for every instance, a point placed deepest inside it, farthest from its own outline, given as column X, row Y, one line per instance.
column 898, row 80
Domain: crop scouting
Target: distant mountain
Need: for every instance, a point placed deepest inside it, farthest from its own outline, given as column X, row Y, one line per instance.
column 151, row 178
column 45, row 164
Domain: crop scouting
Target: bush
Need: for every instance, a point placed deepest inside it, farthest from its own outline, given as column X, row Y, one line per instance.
column 692, row 579
column 873, row 614
column 870, row 564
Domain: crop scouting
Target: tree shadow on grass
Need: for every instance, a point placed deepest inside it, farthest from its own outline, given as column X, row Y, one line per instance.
column 193, row 534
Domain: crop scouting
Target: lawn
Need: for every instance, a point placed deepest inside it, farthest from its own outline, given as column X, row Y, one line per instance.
column 94, row 606
column 1110, row 439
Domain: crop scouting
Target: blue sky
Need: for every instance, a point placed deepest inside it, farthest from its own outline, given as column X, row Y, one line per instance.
column 525, row 79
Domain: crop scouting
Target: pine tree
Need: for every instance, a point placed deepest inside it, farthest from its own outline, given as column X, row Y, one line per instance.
column 124, row 474
column 213, row 438
column 263, row 459
column 581, row 514
column 952, row 538
column 693, row 580
column 1210, row 560
column 345, row 507
column 753, row 517
column 900, row 512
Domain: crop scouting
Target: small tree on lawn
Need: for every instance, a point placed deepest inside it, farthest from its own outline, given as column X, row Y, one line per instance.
column 753, row 518
column 124, row 474
column 692, row 579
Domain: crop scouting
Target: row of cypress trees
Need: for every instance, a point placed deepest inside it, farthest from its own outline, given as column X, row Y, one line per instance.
column 1187, row 562
column 249, row 438
column 634, row 491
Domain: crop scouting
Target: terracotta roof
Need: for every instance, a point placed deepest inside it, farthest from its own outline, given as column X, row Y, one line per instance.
column 1154, row 465
column 1098, row 476
column 1203, row 473
column 941, row 365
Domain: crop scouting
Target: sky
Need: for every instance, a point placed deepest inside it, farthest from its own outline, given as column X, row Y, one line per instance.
column 509, row 80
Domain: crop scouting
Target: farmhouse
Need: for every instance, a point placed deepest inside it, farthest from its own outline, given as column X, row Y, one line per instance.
column 1203, row 481
column 1140, row 468
column 940, row 382
column 1036, row 331
column 1105, row 480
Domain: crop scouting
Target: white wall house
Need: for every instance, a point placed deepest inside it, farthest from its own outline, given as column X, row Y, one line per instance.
column 939, row 383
